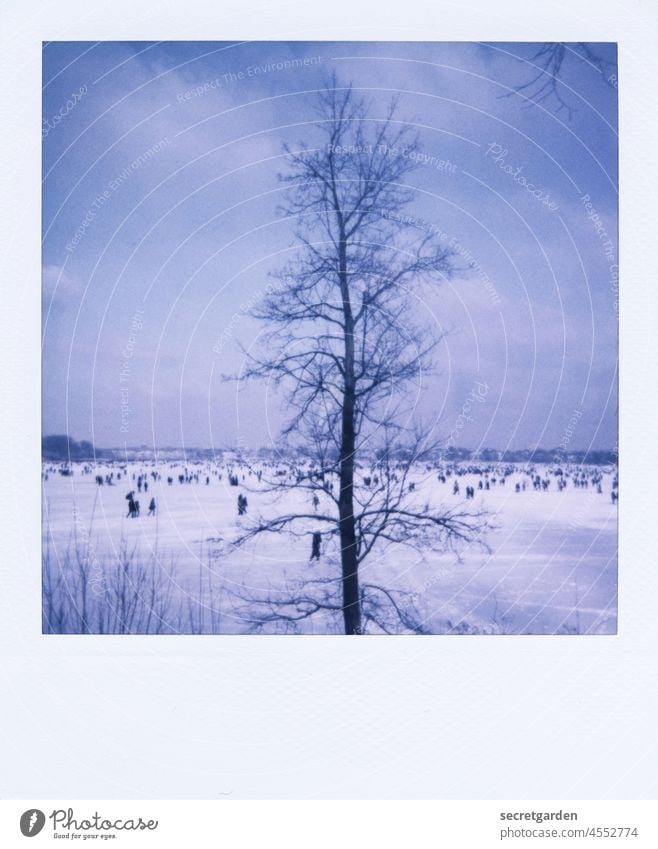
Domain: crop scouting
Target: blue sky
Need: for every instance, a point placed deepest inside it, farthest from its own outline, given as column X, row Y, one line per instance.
column 161, row 224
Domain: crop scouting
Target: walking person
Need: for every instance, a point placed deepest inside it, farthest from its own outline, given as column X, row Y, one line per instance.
column 315, row 545
column 152, row 507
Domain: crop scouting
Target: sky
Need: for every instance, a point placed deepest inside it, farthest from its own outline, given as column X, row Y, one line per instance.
column 162, row 223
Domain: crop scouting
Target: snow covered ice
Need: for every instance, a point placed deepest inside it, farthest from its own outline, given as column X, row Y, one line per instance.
column 549, row 565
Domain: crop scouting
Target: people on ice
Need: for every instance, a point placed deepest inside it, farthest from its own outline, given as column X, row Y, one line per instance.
column 152, row 507
column 132, row 505
column 315, row 545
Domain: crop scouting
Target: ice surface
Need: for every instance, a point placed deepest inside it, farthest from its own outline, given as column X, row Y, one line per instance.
column 551, row 567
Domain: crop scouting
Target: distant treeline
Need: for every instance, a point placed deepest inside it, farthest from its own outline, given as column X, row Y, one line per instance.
column 63, row 448
column 600, row 457
column 452, row 454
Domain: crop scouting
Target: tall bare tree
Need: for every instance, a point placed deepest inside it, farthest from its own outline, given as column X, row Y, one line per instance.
column 342, row 341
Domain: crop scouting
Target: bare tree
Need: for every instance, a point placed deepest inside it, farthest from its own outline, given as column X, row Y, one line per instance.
column 343, row 343
column 544, row 84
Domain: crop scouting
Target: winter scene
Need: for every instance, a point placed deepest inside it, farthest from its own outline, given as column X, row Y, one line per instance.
column 329, row 338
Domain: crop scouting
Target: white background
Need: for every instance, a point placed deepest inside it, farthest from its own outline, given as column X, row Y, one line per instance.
column 273, row 717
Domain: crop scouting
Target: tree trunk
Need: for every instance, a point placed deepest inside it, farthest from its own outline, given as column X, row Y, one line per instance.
column 347, row 526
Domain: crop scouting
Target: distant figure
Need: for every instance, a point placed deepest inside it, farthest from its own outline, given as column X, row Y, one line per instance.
column 316, row 501
column 152, row 507
column 315, row 545
column 136, row 509
column 242, row 504
column 146, row 486
column 132, row 509
column 455, row 488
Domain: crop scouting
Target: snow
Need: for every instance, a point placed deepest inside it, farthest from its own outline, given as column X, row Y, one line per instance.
column 551, row 566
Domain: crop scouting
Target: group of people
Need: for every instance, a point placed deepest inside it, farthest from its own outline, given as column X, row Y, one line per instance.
column 133, row 506
column 108, row 479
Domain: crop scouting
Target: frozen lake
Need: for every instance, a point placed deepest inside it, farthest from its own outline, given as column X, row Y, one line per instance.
column 549, row 566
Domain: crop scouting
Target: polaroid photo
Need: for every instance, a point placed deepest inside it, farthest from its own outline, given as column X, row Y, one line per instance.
column 330, row 338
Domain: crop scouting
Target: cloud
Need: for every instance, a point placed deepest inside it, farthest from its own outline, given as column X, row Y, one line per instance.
column 59, row 287
column 192, row 233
